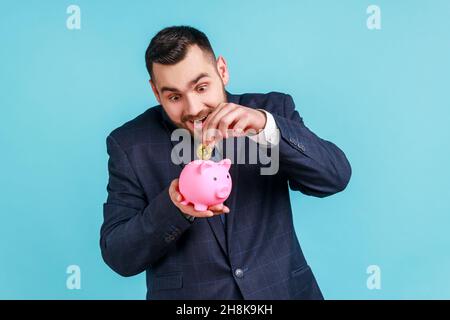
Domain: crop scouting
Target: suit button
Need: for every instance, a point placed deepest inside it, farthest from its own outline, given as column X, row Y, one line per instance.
column 169, row 238
column 239, row 273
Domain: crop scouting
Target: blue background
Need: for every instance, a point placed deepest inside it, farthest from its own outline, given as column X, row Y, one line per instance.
column 380, row 95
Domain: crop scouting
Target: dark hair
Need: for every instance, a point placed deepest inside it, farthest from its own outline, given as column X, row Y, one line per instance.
column 169, row 46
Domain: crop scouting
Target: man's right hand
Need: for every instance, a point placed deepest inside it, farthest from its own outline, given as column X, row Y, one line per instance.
column 177, row 198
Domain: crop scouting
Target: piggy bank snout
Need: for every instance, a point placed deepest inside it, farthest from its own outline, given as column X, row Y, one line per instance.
column 223, row 192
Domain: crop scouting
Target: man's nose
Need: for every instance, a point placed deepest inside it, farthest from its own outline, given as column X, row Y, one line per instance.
column 193, row 107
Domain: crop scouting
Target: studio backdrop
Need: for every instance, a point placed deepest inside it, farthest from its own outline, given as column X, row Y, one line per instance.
column 371, row 76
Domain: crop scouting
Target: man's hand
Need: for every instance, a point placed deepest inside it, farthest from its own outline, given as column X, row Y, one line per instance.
column 234, row 119
column 176, row 198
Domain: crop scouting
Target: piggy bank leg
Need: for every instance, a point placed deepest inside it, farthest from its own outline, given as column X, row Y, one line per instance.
column 200, row 207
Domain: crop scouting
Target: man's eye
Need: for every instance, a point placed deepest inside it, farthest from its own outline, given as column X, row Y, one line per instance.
column 174, row 98
column 202, row 88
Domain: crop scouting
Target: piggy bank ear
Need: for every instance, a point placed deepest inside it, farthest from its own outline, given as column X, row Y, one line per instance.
column 205, row 165
column 226, row 163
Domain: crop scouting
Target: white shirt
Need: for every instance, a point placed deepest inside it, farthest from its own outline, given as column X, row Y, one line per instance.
column 270, row 134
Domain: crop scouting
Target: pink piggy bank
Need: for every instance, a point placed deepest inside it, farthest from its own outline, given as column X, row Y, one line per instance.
column 205, row 183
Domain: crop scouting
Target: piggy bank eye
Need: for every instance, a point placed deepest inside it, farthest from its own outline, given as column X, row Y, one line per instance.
column 215, row 178
column 228, row 176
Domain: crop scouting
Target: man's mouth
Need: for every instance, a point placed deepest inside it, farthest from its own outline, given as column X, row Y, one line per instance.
column 198, row 122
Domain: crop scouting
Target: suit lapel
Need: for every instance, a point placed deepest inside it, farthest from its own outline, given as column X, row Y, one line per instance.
column 231, row 201
column 234, row 173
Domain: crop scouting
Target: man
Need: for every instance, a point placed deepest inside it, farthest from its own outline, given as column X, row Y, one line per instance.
column 244, row 249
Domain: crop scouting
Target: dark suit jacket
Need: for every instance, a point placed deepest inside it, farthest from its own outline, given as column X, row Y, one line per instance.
column 257, row 255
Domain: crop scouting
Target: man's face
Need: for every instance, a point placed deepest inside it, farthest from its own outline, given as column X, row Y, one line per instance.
column 191, row 89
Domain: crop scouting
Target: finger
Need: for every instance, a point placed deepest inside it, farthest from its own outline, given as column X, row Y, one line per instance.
column 208, row 213
column 220, row 123
column 217, row 207
column 211, row 135
column 213, row 121
column 177, row 197
column 228, row 119
column 239, row 127
column 198, row 129
column 173, row 188
column 200, row 214
column 250, row 132
column 189, row 209
column 209, row 117
column 211, row 144
column 216, row 109
column 174, row 184
column 223, row 211
column 177, row 194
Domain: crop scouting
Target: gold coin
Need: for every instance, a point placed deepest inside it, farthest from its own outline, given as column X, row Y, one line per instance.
column 204, row 152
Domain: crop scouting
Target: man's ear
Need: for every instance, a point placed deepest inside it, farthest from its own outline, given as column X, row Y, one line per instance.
column 222, row 69
column 155, row 91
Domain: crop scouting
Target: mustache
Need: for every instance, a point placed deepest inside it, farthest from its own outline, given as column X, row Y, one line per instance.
column 201, row 115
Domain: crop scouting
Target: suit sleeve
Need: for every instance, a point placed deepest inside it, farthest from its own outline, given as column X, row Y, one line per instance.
column 135, row 232
column 313, row 166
